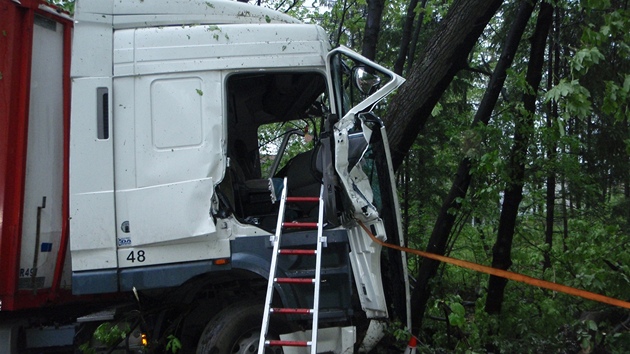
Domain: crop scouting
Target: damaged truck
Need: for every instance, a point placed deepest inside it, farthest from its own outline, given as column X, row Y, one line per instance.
column 146, row 150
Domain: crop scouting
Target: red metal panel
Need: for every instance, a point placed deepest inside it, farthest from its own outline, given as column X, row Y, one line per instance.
column 63, row 244
column 14, row 99
column 16, row 28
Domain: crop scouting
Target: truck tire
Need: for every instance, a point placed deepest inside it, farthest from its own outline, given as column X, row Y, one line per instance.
column 236, row 329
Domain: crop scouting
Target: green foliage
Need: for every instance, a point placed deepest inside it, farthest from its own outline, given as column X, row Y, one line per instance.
column 173, row 344
column 586, row 58
column 301, row 138
column 111, row 334
column 457, row 316
column 66, row 5
column 575, row 97
column 106, row 335
column 86, row 348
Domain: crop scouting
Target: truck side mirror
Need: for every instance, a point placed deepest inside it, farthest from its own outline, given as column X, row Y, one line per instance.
column 364, row 80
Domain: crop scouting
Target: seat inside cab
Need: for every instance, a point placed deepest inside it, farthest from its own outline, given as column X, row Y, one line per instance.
column 274, row 123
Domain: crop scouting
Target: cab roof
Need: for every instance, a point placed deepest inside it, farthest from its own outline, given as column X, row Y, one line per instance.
column 153, row 13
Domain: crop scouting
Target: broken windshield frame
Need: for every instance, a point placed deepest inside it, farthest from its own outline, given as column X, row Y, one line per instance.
column 358, row 83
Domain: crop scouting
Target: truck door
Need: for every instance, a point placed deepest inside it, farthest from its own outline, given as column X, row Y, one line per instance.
column 168, row 152
column 363, row 164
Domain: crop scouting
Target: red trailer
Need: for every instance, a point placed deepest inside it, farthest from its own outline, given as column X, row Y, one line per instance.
column 35, row 41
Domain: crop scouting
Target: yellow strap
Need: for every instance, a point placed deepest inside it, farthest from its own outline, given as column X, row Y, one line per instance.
column 505, row 274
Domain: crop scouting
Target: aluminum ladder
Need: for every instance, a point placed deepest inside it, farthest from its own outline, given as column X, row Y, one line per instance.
column 316, row 281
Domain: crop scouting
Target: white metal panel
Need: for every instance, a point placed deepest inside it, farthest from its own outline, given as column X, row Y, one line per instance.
column 131, row 14
column 124, row 131
column 169, row 152
column 92, row 46
column 93, row 259
column 375, row 97
column 92, row 221
column 170, row 211
column 162, row 253
column 338, row 340
column 176, row 113
column 365, row 257
column 44, row 161
column 202, row 48
column 124, row 49
column 93, row 7
column 158, row 114
column 92, row 218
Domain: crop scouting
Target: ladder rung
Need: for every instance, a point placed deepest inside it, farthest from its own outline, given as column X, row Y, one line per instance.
column 300, row 252
column 292, row 311
column 295, row 280
column 287, row 343
column 312, row 225
column 273, row 280
column 303, row 199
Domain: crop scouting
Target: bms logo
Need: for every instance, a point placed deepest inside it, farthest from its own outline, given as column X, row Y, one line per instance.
column 124, row 241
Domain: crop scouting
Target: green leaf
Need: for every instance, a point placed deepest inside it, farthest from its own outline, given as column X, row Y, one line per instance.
column 457, row 315
column 174, row 344
column 436, row 110
column 585, row 58
column 562, row 89
column 586, row 344
column 591, row 325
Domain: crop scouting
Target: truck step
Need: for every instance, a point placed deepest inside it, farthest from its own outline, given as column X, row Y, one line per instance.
column 297, row 252
column 287, row 343
column 292, row 311
column 303, row 199
column 299, row 225
column 294, row 280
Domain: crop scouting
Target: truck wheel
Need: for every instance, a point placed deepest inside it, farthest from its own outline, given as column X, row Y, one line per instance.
column 236, row 329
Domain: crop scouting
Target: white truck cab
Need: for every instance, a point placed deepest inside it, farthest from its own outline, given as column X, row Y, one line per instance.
column 186, row 116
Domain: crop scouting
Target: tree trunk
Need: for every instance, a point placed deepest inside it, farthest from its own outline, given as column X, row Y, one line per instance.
column 414, row 38
column 501, row 252
column 372, row 27
column 446, row 217
column 405, row 39
column 552, row 150
column 444, row 55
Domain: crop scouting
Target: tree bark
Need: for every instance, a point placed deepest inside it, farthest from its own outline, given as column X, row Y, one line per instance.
column 414, row 38
column 445, row 54
column 372, row 28
column 405, row 39
column 513, row 194
column 552, row 150
column 446, row 217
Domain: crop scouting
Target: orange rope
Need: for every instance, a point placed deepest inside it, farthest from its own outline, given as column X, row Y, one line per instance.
column 505, row 274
